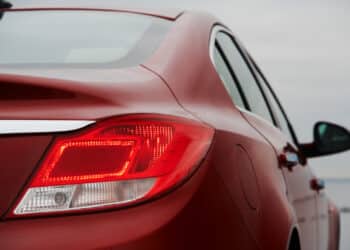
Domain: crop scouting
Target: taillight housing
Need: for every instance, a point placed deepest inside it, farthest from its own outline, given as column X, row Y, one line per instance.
column 116, row 162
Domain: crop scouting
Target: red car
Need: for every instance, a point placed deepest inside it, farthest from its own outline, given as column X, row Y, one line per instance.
column 133, row 130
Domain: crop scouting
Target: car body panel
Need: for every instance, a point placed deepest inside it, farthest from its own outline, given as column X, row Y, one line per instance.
column 239, row 197
column 334, row 226
column 19, row 156
column 200, row 100
column 301, row 197
column 199, row 89
column 83, row 94
column 201, row 208
column 325, row 234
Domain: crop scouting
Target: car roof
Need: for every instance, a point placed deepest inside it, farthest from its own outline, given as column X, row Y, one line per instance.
column 170, row 14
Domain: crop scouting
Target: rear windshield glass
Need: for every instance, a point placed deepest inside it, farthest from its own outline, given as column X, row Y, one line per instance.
column 78, row 38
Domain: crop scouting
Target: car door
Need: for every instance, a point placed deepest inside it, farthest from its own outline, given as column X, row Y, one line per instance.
column 316, row 184
column 258, row 197
column 260, row 115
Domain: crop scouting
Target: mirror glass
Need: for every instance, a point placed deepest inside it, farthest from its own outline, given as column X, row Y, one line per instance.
column 331, row 138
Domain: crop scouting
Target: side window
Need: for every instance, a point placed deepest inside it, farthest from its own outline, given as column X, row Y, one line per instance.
column 246, row 80
column 279, row 115
column 226, row 78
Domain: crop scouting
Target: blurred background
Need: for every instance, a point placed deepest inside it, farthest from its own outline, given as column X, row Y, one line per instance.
column 303, row 49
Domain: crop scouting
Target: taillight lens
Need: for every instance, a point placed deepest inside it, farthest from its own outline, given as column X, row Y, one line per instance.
column 116, row 162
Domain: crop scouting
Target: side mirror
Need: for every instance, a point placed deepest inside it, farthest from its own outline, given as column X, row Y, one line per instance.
column 328, row 139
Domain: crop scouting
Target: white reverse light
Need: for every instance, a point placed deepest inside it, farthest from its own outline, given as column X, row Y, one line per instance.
column 71, row 197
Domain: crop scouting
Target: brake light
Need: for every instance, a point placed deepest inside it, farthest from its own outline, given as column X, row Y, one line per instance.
column 116, row 162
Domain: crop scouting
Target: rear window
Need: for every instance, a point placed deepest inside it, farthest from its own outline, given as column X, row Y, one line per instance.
column 78, row 38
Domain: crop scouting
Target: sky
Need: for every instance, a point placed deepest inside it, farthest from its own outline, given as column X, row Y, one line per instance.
column 302, row 47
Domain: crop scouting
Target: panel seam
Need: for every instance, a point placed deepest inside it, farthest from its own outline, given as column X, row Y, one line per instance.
column 171, row 91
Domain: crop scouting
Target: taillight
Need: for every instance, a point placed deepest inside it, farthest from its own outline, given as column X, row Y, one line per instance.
column 116, row 162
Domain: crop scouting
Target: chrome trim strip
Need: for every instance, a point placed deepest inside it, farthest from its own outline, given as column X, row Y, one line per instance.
column 40, row 126
column 216, row 29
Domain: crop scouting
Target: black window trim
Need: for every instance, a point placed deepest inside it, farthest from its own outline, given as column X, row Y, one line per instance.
column 219, row 28
column 214, row 44
column 251, row 63
column 233, row 75
column 267, row 83
column 244, row 54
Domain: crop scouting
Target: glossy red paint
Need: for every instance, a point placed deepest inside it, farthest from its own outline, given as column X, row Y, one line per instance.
column 220, row 206
column 334, row 226
column 19, row 155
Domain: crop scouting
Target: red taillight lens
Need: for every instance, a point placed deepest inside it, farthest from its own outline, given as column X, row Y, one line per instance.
column 118, row 161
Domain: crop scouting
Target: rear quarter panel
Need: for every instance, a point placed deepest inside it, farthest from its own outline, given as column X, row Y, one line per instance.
column 184, row 64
